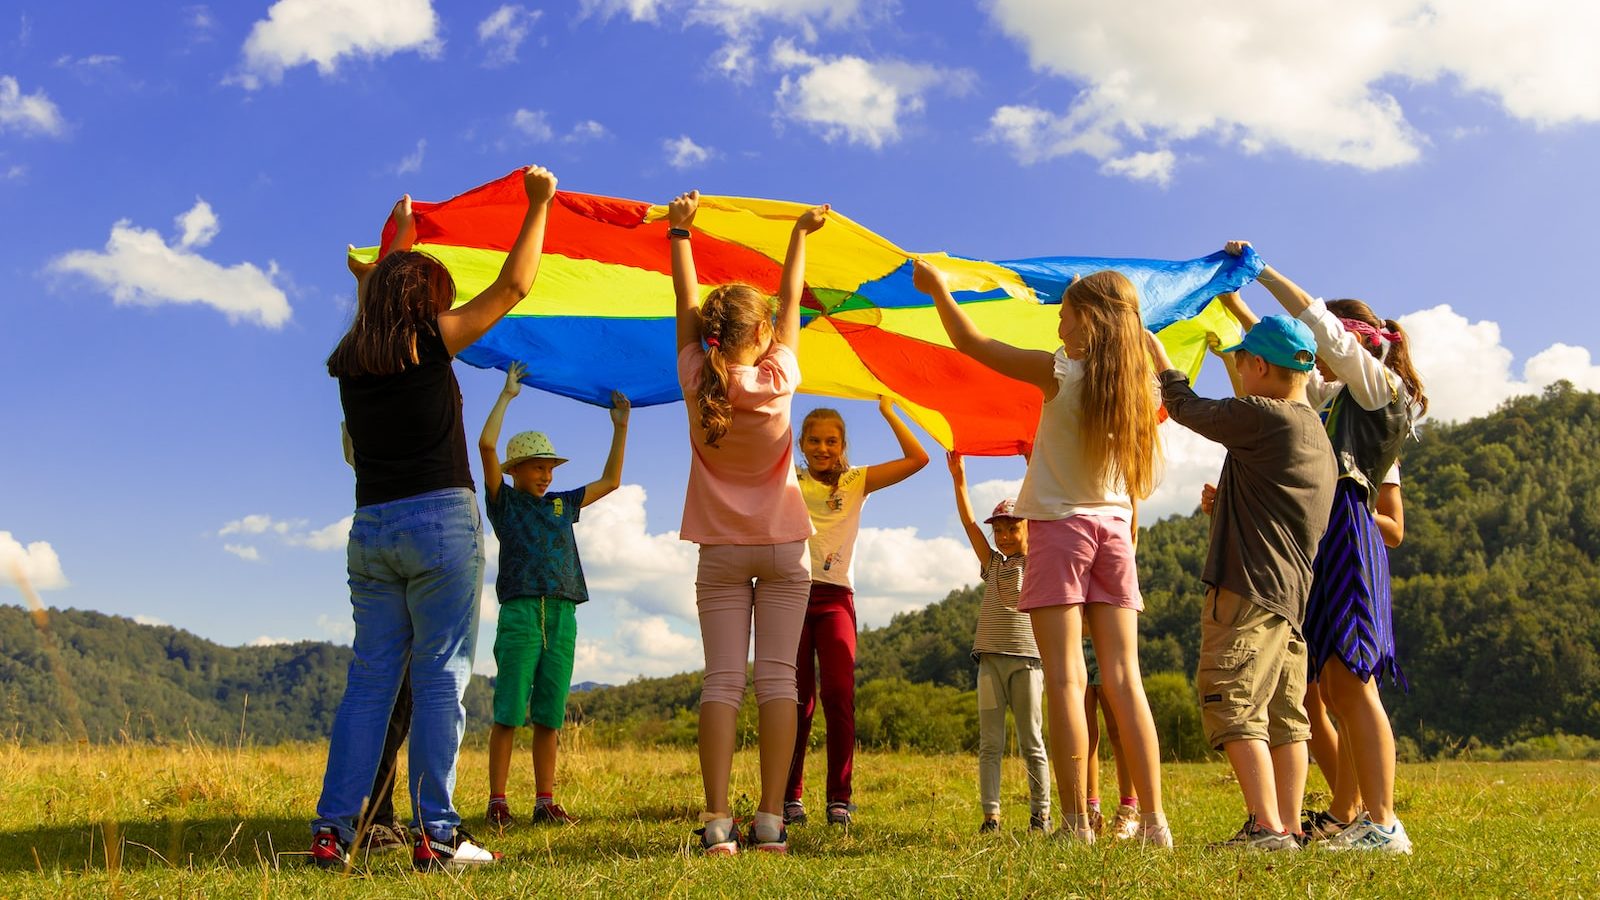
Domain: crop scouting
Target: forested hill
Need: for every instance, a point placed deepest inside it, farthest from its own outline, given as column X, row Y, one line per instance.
column 1497, row 599
column 142, row 682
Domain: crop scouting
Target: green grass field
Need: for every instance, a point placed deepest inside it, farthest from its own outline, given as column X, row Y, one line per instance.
column 138, row 821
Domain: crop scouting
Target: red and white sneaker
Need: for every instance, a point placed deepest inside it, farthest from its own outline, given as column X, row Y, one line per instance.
column 328, row 850
column 460, row 851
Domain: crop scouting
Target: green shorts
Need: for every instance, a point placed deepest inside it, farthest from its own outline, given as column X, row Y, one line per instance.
column 534, row 642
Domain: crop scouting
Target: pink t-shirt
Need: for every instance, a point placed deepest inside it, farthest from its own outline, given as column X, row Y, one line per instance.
column 743, row 491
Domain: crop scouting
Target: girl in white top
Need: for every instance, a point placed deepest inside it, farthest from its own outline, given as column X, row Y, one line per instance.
column 1094, row 453
column 835, row 491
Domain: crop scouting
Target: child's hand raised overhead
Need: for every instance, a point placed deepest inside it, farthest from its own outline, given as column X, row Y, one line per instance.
column 1208, row 498
column 358, row 268
column 812, row 219
column 405, row 224
column 680, row 212
column 926, row 278
column 540, row 183
column 620, row 407
column 1236, row 248
column 958, row 464
column 514, row 375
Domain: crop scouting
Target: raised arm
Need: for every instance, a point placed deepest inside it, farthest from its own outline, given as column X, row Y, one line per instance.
column 685, row 285
column 611, row 477
column 489, row 440
column 1293, row 298
column 912, row 459
column 793, row 285
column 1035, row 367
column 466, row 323
column 975, row 535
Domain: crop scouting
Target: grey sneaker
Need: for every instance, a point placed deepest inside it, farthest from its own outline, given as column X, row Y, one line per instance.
column 840, row 813
column 1039, row 822
column 794, row 813
column 989, row 826
column 1255, row 836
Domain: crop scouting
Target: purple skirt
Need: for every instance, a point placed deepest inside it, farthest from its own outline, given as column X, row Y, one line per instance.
column 1349, row 615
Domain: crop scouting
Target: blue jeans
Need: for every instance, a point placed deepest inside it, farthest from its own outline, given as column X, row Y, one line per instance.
column 416, row 570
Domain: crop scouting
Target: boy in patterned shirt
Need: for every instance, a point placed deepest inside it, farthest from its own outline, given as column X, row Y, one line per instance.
column 539, row 585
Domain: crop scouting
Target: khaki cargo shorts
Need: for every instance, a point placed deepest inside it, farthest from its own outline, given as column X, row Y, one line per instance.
column 1252, row 678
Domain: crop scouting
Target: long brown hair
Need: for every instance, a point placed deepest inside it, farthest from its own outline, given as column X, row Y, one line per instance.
column 401, row 300
column 842, row 464
column 1119, row 407
column 730, row 319
column 1398, row 359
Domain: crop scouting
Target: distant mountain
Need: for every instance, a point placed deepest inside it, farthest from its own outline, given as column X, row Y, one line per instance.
column 125, row 680
column 582, row 686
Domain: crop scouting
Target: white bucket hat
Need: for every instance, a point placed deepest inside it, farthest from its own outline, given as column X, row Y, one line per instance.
column 529, row 445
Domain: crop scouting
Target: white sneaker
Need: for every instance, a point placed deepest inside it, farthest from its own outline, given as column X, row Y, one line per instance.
column 1370, row 836
column 1157, row 836
column 459, row 852
column 717, row 835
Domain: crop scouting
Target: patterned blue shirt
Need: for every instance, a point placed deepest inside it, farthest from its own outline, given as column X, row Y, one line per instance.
column 538, row 552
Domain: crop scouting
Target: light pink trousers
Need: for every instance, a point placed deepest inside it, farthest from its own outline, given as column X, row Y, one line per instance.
column 769, row 583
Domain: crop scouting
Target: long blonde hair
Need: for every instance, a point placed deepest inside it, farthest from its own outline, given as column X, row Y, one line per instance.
column 1119, row 408
column 730, row 318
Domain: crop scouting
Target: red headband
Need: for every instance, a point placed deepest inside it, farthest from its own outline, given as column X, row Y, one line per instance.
column 1358, row 327
column 713, row 342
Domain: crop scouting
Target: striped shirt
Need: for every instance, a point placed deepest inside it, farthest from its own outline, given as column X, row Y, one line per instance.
column 1001, row 629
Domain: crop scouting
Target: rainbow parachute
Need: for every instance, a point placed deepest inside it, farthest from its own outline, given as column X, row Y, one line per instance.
column 600, row 316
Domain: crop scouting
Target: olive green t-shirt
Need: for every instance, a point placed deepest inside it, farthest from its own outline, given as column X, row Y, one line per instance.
column 1273, row 496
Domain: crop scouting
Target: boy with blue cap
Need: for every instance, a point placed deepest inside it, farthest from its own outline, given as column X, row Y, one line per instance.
column 1271, row 508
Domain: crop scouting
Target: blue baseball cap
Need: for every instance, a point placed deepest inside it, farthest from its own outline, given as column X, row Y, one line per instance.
column 1278, row 340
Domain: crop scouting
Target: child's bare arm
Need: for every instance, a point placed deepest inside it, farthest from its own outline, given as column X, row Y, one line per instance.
column 1391, row 515
column 611, row 477
column 793, row 283
column 685, row 284
column 489, row 440
column 1034, row 367
column 975, row 535
column 466, row 323
column 349, row 445
column 895, row 471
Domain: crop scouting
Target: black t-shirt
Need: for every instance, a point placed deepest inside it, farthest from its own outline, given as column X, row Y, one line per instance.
column 406, row 428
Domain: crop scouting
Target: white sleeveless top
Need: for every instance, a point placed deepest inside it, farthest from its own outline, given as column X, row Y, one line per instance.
column 1058, row 483
column 836, row 516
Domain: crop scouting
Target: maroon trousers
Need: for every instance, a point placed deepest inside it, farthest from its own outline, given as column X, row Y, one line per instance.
column 828, row 648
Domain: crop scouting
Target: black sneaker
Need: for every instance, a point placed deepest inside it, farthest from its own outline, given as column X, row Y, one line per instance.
column 328, row 850
column 1319, row 825
column 1255, row 836
column 460, row 851
column 840, row 813
column 989, row 826
column 551, row 814
column 794, row 813
column 779, row 845
column 1039, row 822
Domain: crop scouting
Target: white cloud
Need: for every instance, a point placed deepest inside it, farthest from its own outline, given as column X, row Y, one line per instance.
column 324, row 32
column 534, row 123
column 1147, row 165
column 623, row 560
column 1190, row 462
column 36, row 563
column 684, row 153
column 503, row 31
column 31, row 113
column 742, row 21
column 246, row 552
column 199, row 225
column 333, row 536
column 852, row 99
column 585, row 131
column 292, row 532
column 268, row 641
column 897, row 571
column 201, row 22
column 143, row 619
column 641, row 645
column 139, row 267
column 411, row 163
column 1311, row 79
column 254, row 524
column 1467, row 372
column 14, row 172
column 339, row 630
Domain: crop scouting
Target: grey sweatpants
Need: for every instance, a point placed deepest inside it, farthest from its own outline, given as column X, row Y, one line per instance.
column 1016, row 682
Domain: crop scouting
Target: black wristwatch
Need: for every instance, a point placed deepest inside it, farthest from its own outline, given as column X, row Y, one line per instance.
column 678, row 233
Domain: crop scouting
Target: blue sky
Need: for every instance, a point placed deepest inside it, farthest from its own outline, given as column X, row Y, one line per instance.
column 166, row 399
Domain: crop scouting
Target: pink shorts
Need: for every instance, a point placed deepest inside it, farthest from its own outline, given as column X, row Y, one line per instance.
column 1080, row 559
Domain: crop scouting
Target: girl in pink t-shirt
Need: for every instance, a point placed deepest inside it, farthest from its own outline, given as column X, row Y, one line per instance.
column 738, row 370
